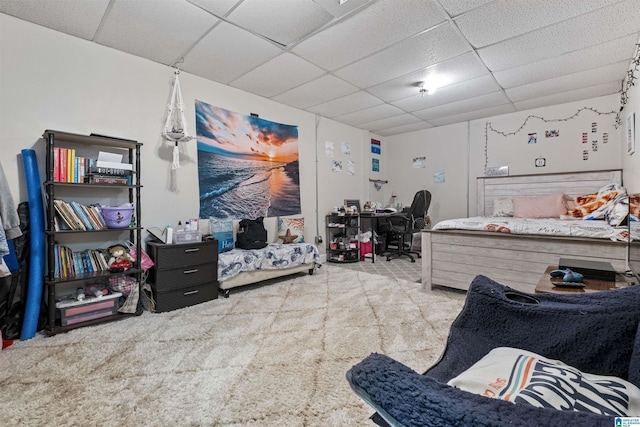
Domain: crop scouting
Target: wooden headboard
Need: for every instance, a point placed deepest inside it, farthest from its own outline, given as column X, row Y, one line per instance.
column 570, row 183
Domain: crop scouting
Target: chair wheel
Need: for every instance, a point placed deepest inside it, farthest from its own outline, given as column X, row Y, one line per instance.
column 388, row 259
column 413, row 260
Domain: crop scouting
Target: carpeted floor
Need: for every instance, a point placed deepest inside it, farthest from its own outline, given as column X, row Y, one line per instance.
column 271, row 355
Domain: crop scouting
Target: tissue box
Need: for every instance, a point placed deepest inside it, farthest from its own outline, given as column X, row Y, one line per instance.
column 187, row 236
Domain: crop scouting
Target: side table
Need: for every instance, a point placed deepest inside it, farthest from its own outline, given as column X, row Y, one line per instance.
column 545, row 285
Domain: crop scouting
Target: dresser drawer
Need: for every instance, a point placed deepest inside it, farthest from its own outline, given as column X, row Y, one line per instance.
column 172, row 300
column 178, row 278
column 184, row 254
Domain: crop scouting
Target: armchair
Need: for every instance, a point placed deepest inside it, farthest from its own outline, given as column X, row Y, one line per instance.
column 406, row 223
column 596, row 333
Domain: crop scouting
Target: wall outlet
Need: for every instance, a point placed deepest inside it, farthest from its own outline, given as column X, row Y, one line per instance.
column 318, row 240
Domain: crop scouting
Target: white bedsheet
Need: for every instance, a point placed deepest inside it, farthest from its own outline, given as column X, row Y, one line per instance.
column 541, row 226
column 273, row 256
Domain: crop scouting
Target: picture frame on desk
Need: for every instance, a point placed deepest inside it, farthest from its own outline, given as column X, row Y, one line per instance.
column 352, row 202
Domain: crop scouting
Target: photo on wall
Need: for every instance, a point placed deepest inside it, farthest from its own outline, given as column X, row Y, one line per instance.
column 247, row 166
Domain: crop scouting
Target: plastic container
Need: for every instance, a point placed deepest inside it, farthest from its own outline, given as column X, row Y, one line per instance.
column 117, row 217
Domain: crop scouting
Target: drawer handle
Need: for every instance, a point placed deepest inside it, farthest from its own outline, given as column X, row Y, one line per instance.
column 190, row 292
column 195, row 270
column 192, row 250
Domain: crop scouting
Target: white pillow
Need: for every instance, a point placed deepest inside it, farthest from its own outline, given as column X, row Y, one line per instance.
column 502, row 207
column 521, row 376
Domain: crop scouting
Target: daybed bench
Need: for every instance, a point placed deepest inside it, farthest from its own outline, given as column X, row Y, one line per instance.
column 452, row 258
column 240, row 267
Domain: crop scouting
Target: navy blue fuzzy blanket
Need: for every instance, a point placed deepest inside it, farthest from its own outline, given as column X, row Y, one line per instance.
column 596, row 333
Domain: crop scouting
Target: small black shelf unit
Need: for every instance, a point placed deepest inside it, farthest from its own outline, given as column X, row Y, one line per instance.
column 343, row 231
column 54, row 189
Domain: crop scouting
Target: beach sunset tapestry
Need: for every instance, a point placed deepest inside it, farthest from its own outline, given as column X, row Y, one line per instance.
column 247, row 166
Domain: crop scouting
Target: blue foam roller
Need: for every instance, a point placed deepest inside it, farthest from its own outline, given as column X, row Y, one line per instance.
column 36, row 255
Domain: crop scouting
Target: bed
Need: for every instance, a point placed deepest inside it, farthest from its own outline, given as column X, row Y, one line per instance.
column 239, row 267
column 453, row 257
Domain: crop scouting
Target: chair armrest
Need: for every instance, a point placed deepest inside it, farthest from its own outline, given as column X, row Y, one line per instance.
column 405, row 398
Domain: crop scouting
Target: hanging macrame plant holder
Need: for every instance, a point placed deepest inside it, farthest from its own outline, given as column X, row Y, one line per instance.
column 175, row 128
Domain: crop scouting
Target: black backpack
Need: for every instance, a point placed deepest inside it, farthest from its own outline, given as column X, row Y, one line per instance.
column 251, row 234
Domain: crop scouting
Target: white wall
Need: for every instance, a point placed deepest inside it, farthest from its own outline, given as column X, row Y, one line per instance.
column 463, row 149
column 631, row 163
column 50, row 80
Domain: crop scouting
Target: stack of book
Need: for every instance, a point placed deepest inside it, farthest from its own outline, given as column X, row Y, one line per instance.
column 75, row 216
column 68, row 167
column 69, row 264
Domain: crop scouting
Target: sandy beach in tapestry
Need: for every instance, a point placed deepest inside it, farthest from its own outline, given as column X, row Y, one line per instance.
column 247, row 166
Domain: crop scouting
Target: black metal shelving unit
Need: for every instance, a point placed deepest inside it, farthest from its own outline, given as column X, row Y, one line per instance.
column 93, row 143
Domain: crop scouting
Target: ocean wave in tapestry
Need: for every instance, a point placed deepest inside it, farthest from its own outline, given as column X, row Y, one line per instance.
column 247, row 166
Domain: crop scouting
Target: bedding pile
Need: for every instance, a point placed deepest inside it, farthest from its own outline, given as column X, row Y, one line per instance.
column 273, row 256
column 611, row 203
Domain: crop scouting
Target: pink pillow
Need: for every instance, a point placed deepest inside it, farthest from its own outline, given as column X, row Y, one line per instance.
column 550, row 206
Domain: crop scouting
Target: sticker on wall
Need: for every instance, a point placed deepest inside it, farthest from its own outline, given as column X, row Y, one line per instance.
column 375, row 146
column 419, row 162
column 594, row 145
column 351, row 167
column 552, row 133
column 336, row 166
column 533, row 138
column 375, row 165
column 346, row 148
column 605, row 138
column 585, row 138
column 594, row 127
column 585, row 154
column 328, row 148
column 541, row 162
column 439, row 176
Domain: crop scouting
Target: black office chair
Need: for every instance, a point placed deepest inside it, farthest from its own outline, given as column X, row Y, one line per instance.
column 406, row 223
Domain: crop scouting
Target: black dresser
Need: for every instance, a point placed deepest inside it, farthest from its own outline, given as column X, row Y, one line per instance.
column 184, row 274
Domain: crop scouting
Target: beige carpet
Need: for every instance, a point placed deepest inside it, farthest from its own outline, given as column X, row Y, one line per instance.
column 268, row 356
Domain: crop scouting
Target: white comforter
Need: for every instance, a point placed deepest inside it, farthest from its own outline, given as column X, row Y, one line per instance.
column 273, row 256
column 542, row 226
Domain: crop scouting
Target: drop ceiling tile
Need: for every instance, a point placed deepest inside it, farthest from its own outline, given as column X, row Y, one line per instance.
column 79, row 18
column 569, row 82
column 216, row 56
column 281, row 21
column 316, row 92
column 404, row 129
column 391, row 122
column 610, row 23
column 217, row 7
column 346, row 104
column 572, row 62
column 501, row 19
column 278, row 75
column 377, row 25
column 429, row 48
column 569, row 96
column 378, row 112
column 338, row 10
column 456, row 7
column 458, row 69
column 460, row 107
column 161, row 33
column 445, row 95
column 474, row 115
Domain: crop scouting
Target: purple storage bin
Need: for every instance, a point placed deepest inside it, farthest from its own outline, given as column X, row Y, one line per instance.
column 117, row 217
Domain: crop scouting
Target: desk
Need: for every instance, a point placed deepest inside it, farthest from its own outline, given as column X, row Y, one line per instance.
column 374, row 221
column 591, row 285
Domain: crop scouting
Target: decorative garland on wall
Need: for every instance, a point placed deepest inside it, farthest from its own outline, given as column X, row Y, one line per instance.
column 489, row 127
column 627, row 83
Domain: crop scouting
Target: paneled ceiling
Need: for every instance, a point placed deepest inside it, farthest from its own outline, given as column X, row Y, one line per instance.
column 363, row 62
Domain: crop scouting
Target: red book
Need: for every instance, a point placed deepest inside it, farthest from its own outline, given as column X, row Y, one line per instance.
column 56, row 164
column 63, row 164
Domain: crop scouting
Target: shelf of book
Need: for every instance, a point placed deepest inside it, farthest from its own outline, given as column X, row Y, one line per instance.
column 71, row 221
